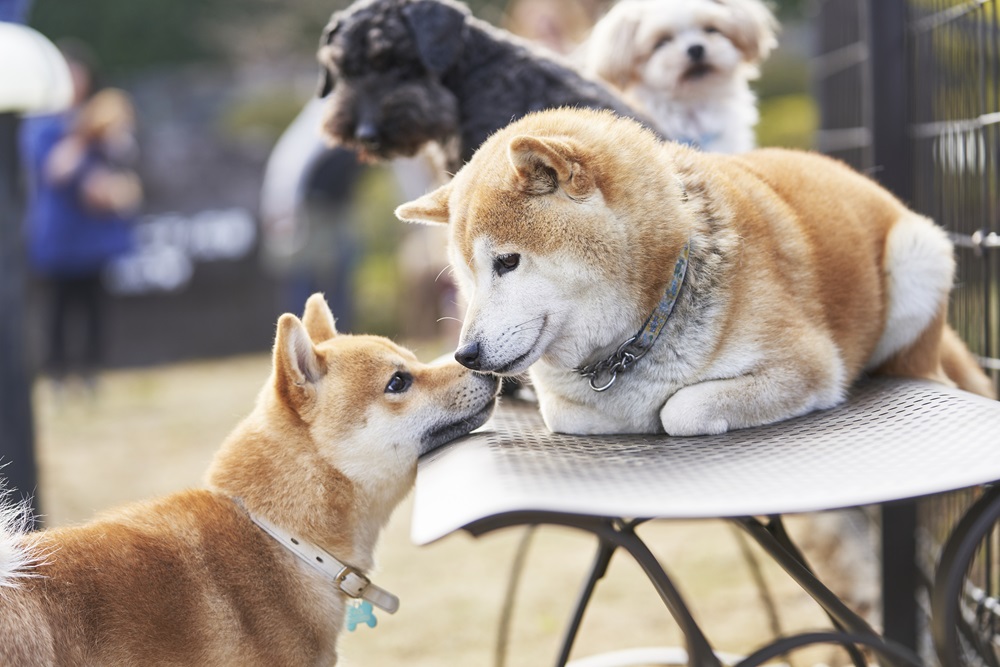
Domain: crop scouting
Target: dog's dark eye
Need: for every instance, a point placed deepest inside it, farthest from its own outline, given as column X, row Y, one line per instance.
column 663, row 41
column 399, row 383
column 506, row 263
column 711, row 29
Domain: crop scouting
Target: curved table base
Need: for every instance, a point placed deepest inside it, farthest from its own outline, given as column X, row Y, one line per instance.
column 613, row 534
column 952, row 623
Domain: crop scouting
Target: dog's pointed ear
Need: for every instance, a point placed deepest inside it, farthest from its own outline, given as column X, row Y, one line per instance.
column 438, row 29
column 318, row 319
column 753, row 29
column 611, row 49
column 325, row 83
column 297, row 365
column 542, row 165
column 432, row 208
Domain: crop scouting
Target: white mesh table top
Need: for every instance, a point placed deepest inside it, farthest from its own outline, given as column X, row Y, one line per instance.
column 892, row 440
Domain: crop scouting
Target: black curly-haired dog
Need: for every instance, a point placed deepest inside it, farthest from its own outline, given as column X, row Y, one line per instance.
column 403, row 73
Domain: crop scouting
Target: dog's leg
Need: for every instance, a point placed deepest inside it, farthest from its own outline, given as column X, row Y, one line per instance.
column 563, row 415
column 805, row 377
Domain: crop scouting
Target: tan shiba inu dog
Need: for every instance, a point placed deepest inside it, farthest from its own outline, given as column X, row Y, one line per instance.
column 710, row 292
column 256, row 569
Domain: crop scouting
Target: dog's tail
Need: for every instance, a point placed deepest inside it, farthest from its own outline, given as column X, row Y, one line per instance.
column 17, row 559
column 962, row 368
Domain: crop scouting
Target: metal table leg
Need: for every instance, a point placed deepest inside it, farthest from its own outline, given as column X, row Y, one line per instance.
column 900, row 575
column 617, row 533
column 889, row 651
column 777, row 528
column 776, row 543
column 600, row 567
column 774, row 539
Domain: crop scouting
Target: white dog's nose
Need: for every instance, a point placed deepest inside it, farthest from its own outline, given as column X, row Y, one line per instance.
column 696, row 52
column 468, row 355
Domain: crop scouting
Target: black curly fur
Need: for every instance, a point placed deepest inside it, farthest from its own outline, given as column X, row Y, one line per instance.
column 408, row 72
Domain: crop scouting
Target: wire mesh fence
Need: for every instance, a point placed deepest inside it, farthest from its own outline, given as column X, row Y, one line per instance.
column 950, row 63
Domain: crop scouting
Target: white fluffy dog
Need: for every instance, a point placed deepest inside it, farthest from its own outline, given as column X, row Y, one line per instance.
column 689, row 63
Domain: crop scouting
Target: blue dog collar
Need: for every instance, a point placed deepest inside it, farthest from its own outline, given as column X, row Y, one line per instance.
column 637, row 346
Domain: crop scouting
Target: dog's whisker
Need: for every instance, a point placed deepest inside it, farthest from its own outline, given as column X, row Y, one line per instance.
column 530, row 324
column 533, row 319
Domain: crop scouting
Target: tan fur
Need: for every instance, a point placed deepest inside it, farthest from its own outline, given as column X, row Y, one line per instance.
column 188, row 579
column 801, row 271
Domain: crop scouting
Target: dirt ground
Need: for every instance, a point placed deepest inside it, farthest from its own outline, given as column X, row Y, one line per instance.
column 153, row 431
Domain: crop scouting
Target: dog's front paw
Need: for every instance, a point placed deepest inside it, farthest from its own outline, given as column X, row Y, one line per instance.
column 571, row 418
column 691, row 411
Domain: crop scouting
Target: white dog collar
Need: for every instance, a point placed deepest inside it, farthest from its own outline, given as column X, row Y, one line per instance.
column 352, row 582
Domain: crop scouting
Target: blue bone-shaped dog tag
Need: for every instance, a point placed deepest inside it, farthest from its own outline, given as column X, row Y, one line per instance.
column 358, row 612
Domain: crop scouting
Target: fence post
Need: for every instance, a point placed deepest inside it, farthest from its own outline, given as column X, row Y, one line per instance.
column 16, row 421
column 891, row 148
column 891, row 152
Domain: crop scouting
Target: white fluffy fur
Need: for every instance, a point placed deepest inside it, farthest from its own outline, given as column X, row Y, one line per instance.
column 17, row 561
column 644, row 48
column 919, row 266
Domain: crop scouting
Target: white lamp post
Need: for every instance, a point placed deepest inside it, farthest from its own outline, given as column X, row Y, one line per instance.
column 34, row 77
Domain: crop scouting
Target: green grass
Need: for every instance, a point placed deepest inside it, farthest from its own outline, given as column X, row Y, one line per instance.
column 789, row 121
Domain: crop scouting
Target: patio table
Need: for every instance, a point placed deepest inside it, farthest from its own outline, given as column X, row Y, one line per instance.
column 892, row 440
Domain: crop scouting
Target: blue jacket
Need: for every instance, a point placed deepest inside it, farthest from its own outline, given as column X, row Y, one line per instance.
column 14, row 11
column 65, row 238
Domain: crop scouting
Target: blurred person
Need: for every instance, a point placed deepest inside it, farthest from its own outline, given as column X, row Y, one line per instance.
column 14, row 11
column 83, row 195
column 561, row 25
column 309, row 240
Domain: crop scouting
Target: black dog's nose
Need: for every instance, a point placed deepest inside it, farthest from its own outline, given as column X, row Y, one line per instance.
column 367, row 134
column 696, row 52
column 468, row 355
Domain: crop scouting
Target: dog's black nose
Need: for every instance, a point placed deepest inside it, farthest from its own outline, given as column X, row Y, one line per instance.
column 696, row 52
column 367, row 134
column 468, row 355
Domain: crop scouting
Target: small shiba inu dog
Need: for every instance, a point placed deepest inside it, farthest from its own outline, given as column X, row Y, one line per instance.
column 650, row 287
column 257, row 568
